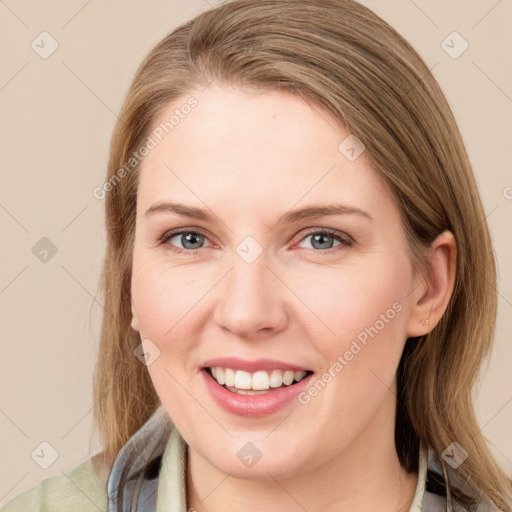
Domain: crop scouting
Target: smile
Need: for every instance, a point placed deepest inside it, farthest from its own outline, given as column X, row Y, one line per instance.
column 255, row 383
column 236, row 391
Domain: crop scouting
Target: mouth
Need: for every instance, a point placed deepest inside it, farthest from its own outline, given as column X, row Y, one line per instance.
column 260, row 382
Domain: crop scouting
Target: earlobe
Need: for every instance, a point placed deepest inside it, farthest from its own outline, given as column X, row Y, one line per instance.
column 134, row 322
column 432, row 293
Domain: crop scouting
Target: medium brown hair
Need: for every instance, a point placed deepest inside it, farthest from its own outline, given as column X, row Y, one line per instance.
column 340, row 56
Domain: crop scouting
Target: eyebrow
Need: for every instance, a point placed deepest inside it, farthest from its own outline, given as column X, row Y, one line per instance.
column 308, row 212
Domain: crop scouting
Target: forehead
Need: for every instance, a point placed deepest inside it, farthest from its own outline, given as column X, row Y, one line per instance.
column 253, row 149
column 226, row 121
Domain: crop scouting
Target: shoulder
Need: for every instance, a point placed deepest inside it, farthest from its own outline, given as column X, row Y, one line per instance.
column 83, row 488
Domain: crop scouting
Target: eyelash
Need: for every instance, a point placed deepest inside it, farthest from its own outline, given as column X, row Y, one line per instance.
column 344, row 239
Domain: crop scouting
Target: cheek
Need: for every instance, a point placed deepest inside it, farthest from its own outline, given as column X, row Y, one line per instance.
column 354, row 301
column 362, row 331
column 166, row 300
column 164, row 295
column 368, row 313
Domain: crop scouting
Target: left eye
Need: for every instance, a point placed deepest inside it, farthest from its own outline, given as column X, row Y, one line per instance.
column 323, row 240
column 190, row 240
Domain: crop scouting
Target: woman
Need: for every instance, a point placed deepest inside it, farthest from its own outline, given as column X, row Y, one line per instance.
column 299, row 280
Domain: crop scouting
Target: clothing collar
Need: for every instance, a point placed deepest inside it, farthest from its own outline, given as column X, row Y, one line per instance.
column 133, row 481
column 158, row 453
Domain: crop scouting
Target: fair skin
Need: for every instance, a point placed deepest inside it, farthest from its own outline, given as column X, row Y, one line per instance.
column 248, row 158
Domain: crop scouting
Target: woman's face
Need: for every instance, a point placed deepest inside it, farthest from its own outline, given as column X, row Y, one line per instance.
column 252, row 279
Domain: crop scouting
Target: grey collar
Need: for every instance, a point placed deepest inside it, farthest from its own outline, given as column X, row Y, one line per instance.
column 133, row 482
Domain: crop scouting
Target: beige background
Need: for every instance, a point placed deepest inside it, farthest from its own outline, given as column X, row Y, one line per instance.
column 57, row 116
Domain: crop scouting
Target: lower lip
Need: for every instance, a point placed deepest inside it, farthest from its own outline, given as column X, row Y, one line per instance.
column 253, row 405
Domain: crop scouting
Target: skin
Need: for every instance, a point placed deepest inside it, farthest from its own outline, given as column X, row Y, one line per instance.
column 249, row 157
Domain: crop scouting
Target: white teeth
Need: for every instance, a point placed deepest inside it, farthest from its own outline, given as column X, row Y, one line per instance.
column 260, row 380
column 276, row 379
column 246, row 382
column 288, row 377
column 246, row 391
column 242, row 380
column 229, row 377
column 300, row 375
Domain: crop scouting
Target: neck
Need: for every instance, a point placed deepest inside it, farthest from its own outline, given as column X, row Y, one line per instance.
column 366, row 475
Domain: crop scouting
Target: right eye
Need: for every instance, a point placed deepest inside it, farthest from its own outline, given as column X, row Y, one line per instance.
column 190, row 240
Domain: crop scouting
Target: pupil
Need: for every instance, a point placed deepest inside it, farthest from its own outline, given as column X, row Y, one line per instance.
column 322, row 237
column 189, row 238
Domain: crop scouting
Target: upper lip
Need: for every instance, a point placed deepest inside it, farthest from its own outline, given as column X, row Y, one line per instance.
column 251, row 366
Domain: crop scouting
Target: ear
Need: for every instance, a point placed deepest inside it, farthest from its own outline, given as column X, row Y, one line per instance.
column 134, row 322
column 431, row 293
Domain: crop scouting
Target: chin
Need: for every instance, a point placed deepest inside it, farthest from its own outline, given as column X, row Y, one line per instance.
column 260, row 461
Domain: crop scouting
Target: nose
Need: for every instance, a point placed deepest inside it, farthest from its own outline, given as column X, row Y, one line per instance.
column 251, row 301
